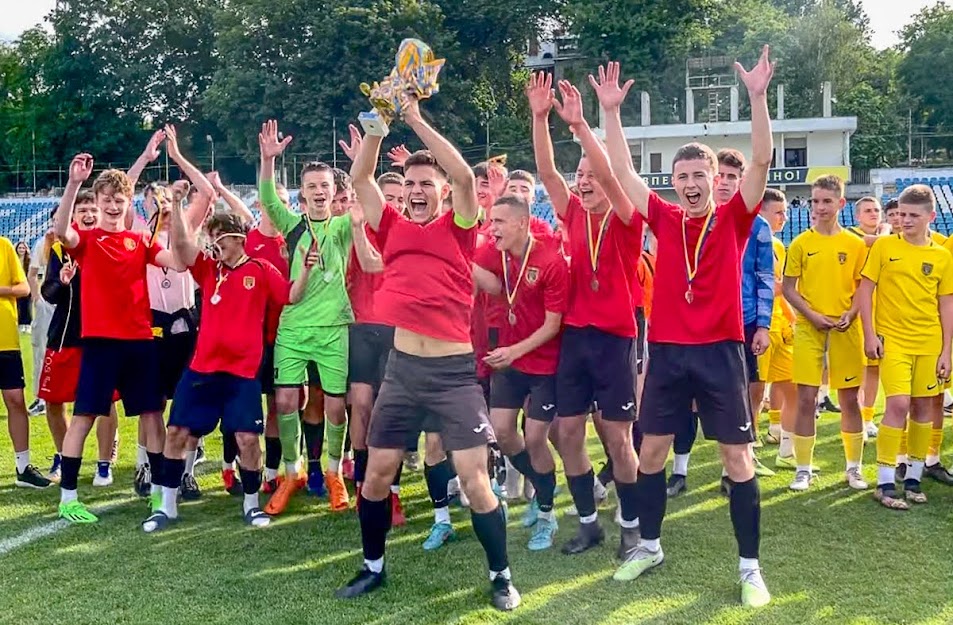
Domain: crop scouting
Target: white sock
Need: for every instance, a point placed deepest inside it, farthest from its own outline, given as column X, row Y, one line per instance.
column 334, row 465
column 270, row 474
column 902, row 459
column 915, row 471
column 651, row 545
column 67, row 496
column 748, row 564
column 23, row 460
column 142, row 456
column 680, row 464
column 374, row 566
column 947, row 397
column 505, row 573
column 291, row 470
column 441, row 515
column 630, row 525
column 190, row 462
column 802, row 467
column 932, row 459
column 592, row 518
column 786, row 448
column 395, row 488
column 549, row 516
column 170, row 502
column 154, row 488
column 724, row 472
column 885, row 475
column 853, row 465
column 774, row 429
column 823, row 391
column 251, row 502
column 230, row 465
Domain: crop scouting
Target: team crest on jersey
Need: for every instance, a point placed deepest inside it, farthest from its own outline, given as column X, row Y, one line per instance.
column 129, row 243
column 842, row 257
column 249, row 282
column 532, row 275
column 926, row 268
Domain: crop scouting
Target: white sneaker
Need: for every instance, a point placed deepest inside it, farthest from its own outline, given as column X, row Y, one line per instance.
column 102, row 480
column 854, row 479
column 512, row 485
column 802, row 481
column 870, row 431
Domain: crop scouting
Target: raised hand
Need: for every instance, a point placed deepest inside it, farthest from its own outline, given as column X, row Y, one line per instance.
column 494, row 175
column 215, row 179
column 80, row 168
column 758, row 79
column 351, row 149
column 151, row 152
column 68, row 271
column 172, row 142
column 607, row 88
column 539, row 92
column 399, row 155
column 410, row 107
column 570, row 109
column 268, row 141
column 312, row 258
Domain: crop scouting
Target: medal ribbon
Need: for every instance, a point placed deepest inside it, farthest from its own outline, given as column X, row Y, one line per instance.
column 595, row 249
column 692, row 269
column 511, row 296
column 314, row 237
column 222, row 276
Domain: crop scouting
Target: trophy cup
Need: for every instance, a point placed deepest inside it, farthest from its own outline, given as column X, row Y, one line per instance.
column 415, row 69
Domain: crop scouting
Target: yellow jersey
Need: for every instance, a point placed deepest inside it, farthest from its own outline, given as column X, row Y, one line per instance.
column 827, row 268
column 11, row 274
column 778, row 320
column 937, row 238
column 910, row 279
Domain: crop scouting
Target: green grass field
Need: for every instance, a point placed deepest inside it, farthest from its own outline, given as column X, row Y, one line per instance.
column 830, row 556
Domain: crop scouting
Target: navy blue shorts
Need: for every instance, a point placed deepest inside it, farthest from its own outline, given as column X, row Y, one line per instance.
column 175, row 354
column 201, row 399
column 751, row 361
column 128, row 366
column 266, row 372
column 595, row 367
column 509, row 389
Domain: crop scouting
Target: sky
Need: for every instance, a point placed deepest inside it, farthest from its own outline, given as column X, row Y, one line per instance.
column 886, row 16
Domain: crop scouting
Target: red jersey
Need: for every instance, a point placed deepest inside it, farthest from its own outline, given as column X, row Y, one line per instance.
column 114, row 296
column 274, row 250
column 610, row 306
column 428, row 279
column 361, row 285
column 544, row 287
column 228, row 341
column 715, row 311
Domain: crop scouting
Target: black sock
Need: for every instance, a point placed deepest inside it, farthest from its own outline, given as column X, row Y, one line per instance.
column 172, row 469
column 650, row 503
column 745, row 505
column 580, row 487
column 69, row 472
column 314, row 443
column 347, row 433
column 375, row 519
column 360, row 465
column 400, row 471
column 272, row 452
column 490, row 528
column 437, row 477
column 636, row 437
column 545, row 484
column 251, row 480
column 628, row 500
column 229, row 447
column 523, row 464
column 685, row 437
column 155, row 467
column 605, row 473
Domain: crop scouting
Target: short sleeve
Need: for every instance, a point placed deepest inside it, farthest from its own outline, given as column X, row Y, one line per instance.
column 489, row 258
column 79, row 252
column 153, row 248
column 657, row 210
column 871, row 269
column 389, row 216
column 202, row 268
column 279, row 289
column 946, row 278
column 861, row 259
column 792, row 262
column 743, row 219
column 556, row 287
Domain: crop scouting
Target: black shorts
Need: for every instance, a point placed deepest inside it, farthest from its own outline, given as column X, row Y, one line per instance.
column 441, row 393
column 712, row 375
column 640, row 347
column 595, row 367
column 751, row 361
column 510, row 388
column 314, row 377
column 11, row 371
column 128, row 366
column 367, row 354
column 266, row 372
column 201, row 399
column 175, row 354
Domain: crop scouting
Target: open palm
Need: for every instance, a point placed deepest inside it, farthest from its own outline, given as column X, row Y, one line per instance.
column 758, row 79
column 539, row 92
column 268, row 142
column 570, row 109
column 607, row 88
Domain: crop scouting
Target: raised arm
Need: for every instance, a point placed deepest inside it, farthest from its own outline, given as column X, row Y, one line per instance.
column 465, row 204
column 202, row 185
column 539, row 92
column 79, row 171
column 182, row 238
column 233, row 202
column 762, row 142
column 611, row 96
column 148, row 155
column 570, row 110
column 364, row 152
column 368, row 258
column 279, row 214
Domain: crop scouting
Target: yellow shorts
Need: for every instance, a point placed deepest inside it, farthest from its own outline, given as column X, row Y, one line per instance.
column 844, row 350
column 776, row 364
column 904, row 374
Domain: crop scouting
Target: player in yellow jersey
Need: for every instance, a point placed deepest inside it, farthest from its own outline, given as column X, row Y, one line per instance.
column 892, row 215
column 821, row 273
column 911, row 333
column 776, row 364
column 870, row 226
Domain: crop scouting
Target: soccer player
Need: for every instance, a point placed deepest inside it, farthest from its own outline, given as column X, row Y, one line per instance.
column 821, row 273
column 313, row 330
column 14, row 285
column 42, row 312
column 427, row 296
column 119, row 352
column 535, row 280
column 221, row 381
column 595, row 361
column 392, row 186
column 911, row 333
column 892, row 215
column 696, row 337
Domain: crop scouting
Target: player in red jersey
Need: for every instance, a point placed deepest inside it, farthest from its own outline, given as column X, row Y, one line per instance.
column 535, row 278
column 427, row 295
column 221, row 382
column 595, row 363
column 696, row 337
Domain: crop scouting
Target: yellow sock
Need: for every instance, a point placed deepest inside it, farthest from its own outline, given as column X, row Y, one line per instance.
column 888, row 445
column 919, row 436
column 853, row 447
column 936, row 441
column 867, row 412
column 804, row 450
column 774, row 417
column 902, row 450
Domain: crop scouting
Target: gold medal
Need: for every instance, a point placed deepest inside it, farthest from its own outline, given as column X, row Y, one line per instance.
column 511, row 294
column 691, row 269
column 512, row 317
column 596, row 246
column 689, row 296
column 594, row 284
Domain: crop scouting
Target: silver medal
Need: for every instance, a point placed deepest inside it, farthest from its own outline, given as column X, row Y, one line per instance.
column 166, row 283
column 215, row 299
column 328, row 276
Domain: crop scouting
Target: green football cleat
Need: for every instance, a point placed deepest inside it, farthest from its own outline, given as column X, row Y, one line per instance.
column 639, row 561
column 76, row 512
column 754, row 592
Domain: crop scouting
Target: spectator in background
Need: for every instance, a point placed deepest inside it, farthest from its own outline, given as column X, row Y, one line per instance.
column 24, row 310
column 42, row 313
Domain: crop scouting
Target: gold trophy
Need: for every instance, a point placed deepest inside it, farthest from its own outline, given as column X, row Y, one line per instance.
column 415, row 69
